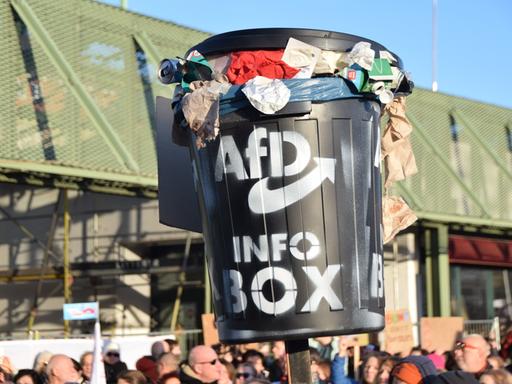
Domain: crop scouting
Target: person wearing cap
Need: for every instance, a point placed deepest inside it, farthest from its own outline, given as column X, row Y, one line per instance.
column 112, row 361
column 471, row 354
column 413, row 370
column 202, row 367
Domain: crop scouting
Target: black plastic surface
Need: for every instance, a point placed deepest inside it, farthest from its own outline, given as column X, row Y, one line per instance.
column 177, row 200
column 276, row 38
column 344, row 216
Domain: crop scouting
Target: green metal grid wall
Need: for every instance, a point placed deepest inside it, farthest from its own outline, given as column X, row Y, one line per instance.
column 113, row 53
column 470, row 177
column 97, row 41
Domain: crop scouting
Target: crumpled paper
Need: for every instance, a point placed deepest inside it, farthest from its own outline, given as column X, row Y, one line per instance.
column 362, row 54
column 396, row 215
column 201, row 107
column 266, row 95
column 330, row 61
column 396, row 147
column 302, row 56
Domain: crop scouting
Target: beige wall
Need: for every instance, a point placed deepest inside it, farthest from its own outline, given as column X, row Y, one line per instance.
column 100, row 227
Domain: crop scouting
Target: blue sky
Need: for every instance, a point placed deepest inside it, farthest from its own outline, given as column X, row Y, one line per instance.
column 474, row 36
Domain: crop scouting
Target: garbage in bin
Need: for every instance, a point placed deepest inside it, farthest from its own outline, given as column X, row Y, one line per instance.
column 291, row 195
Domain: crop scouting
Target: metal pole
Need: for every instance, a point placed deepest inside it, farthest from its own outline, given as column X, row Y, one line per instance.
column 49, row 244
column 179, row 292
column 30, row 235
column 299, row 362
column 207, row 288
column 67, row 275
column 434, row 45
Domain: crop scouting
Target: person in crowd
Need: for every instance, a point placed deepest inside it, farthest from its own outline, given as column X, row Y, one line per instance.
column 325, row 347
column 148, row 365
column 131, row 377
column 413, row 370
column 387, row 365
column 27, row 376
column 496, row 362
column 40, row 363
column 256, row 358
column 277, row 368
column 202, row 366
column 228, row 373
column 320, row 368
column 265, row 349
column 112, row 361
column 439, row 360
column 257, row 380
column 61, row 370
column 6, row 370
column 370, row 365
column 450, row 363
column 169, row 378
column 78, row 369
column 418, row 351
column 244, row 372
column 315, row 358
column 496, row 376
column 471, row 354
column 324, row 372
column 167, row 363
column 86, row 362
column 174, row 348
column 452, row 377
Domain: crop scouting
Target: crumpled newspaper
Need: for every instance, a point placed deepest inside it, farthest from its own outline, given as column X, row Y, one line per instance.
column 362, row 54
column 396, row 215
column 201, row 107
column 266, row 95
column 396, row 147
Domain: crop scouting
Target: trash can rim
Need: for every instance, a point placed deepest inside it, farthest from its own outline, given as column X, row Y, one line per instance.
column 276, row 38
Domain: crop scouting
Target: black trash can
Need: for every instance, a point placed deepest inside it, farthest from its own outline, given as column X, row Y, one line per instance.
column 291, row 209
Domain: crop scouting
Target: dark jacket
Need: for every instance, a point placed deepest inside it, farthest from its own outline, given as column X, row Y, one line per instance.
column 113, row 370
column 188, row 376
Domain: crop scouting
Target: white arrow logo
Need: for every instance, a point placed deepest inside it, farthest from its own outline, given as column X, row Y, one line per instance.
column 265, row 200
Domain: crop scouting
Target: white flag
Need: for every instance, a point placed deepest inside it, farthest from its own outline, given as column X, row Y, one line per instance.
column 98, row 369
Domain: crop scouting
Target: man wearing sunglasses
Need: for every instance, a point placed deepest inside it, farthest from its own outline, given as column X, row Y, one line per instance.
column 471, row 354
column 112, row 362
column 203, row 366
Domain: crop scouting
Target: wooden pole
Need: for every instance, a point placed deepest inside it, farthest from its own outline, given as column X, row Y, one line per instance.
column 299, row 362
column 357, row 359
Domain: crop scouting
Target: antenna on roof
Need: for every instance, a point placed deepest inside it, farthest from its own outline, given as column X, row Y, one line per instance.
column 434, row 45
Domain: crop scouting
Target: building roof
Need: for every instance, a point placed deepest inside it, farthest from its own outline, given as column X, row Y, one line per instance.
column 463, row 150
column 78, row 91
column 77, row 111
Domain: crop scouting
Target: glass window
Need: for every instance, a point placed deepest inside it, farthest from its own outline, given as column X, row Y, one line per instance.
column 480, row 293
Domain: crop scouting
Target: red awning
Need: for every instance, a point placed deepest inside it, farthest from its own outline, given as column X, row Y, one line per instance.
column 480, row 250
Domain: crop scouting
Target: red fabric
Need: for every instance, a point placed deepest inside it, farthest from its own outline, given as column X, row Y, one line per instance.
column 148, row 367
column 246, row 65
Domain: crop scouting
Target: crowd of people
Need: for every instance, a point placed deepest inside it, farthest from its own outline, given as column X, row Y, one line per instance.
column 472, row 360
